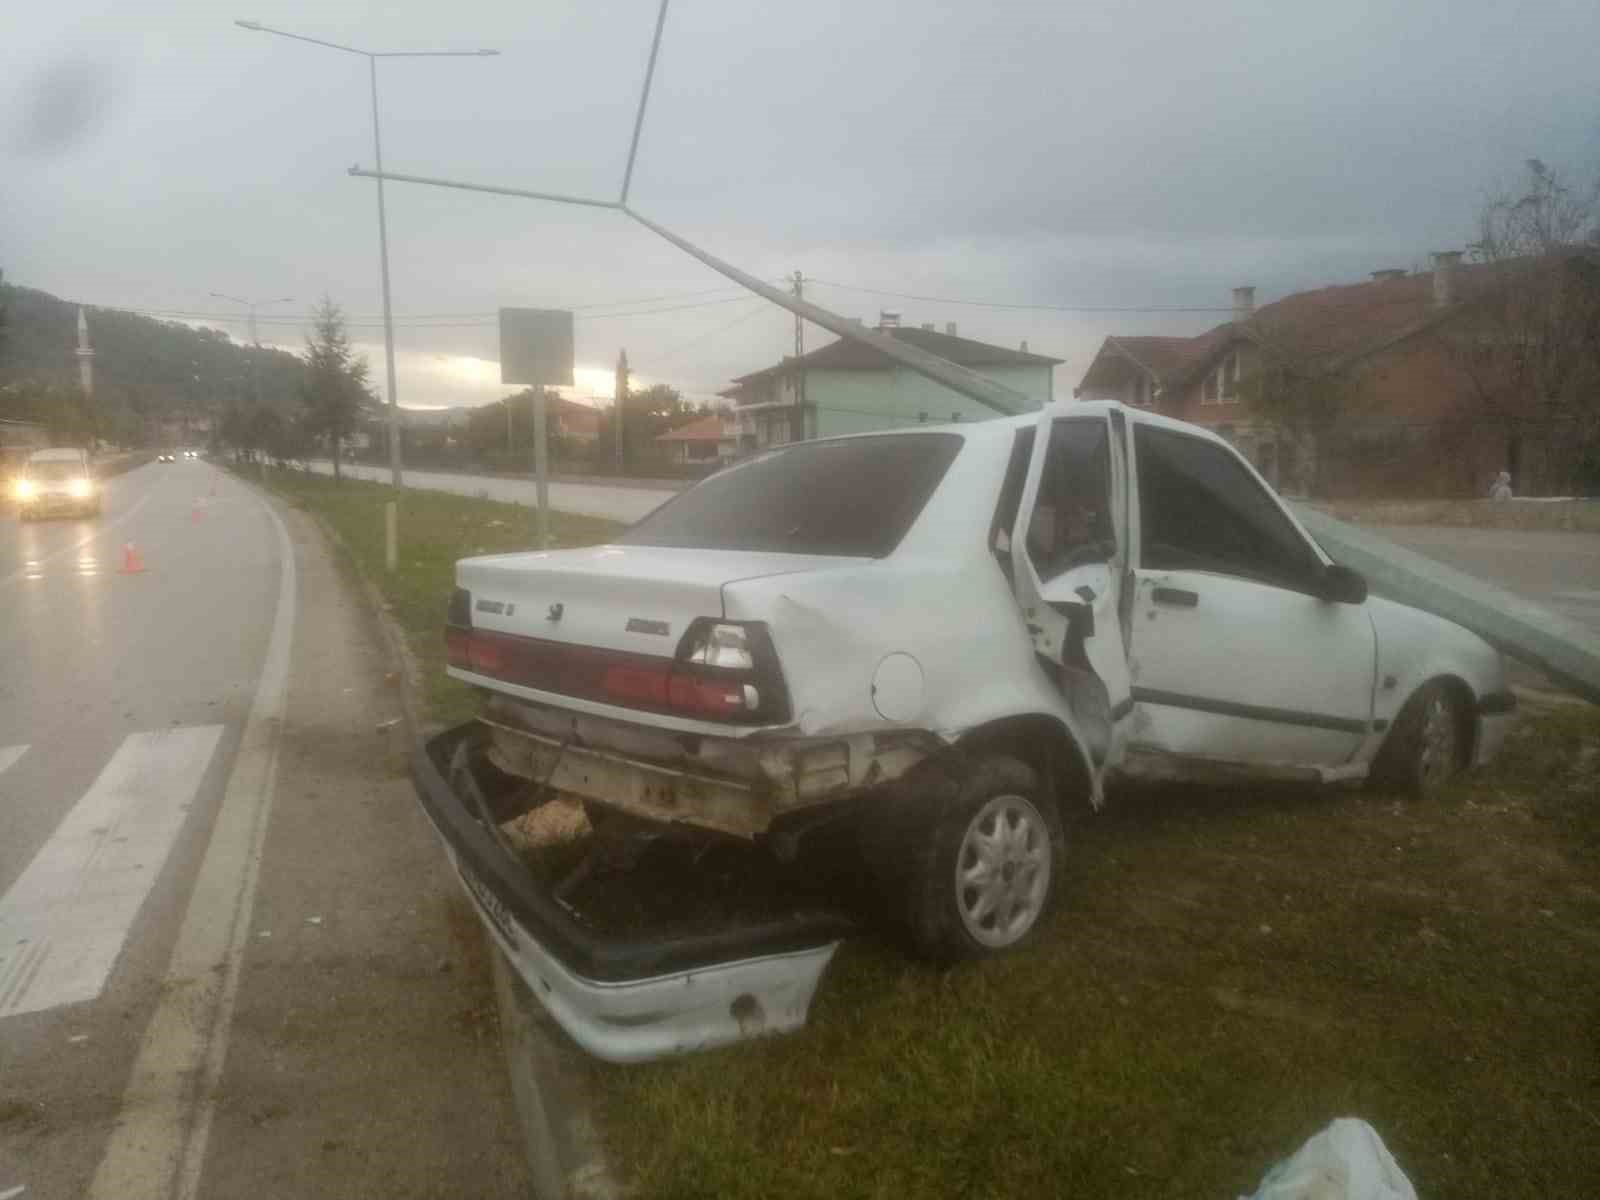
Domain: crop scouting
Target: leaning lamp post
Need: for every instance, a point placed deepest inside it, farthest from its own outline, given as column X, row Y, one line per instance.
column 372, row 57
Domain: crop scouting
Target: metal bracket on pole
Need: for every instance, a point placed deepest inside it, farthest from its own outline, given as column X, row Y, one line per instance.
column 970, row 384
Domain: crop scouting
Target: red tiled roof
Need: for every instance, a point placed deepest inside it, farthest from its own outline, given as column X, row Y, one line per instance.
column 1338, row 322
column 1356, row 317
column 702, row 429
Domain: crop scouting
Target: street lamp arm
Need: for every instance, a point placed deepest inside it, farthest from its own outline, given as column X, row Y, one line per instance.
column 969, row 383
column 431, row 53
column 258, row 27
column 363, row 173
column 644, row 99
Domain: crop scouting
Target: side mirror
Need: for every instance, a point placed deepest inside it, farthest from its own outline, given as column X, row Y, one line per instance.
column 1341, row 585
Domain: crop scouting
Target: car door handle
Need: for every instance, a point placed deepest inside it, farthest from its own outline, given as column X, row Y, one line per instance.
column 1175, row 597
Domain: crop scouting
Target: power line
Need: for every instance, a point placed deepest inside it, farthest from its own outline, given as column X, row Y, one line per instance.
column 462, row 320
column 1078, row 308
column 723, row 328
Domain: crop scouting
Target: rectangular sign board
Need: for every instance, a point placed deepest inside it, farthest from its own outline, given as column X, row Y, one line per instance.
column 536, row 346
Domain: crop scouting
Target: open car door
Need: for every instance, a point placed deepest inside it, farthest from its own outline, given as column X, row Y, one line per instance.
column 1069, row 554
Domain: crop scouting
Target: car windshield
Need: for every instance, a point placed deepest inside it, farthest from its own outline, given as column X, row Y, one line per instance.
column 855, row 496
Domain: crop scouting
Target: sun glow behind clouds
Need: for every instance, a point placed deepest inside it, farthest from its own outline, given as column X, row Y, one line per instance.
column 482, row 375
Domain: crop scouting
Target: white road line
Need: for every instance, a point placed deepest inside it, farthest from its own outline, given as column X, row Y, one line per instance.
column 159, row 1144
column 66, row 918
column 9, row 756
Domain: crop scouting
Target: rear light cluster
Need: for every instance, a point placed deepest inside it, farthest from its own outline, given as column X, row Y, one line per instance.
column 722, row 671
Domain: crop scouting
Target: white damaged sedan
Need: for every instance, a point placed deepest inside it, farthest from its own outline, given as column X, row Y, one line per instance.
column 943, row 640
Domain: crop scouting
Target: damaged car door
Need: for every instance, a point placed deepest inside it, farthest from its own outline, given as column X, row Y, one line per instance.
column 1247, row 646
column 1069, row 568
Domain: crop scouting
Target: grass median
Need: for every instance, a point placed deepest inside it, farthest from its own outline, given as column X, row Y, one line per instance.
column 1230, row 969
column 436, row 529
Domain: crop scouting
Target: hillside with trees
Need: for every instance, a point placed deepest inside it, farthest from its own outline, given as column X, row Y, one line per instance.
column 148, row 373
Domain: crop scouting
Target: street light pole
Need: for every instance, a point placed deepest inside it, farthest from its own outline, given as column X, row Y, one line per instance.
column 250, row 307
column 372, row 57
column 388, row 312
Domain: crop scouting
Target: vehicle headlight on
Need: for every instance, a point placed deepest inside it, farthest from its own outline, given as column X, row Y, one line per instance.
column 24, row 489
column 81, row 489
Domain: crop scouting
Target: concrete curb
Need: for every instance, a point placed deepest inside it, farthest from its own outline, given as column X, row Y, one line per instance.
column 566, row 1160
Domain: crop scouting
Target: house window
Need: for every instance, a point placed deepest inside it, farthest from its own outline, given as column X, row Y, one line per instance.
column 1230, row 377
column 1209, row 394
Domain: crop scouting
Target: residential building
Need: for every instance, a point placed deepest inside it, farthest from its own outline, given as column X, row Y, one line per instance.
column 1386, row 356
column 845, row 387
column 580, row 422
column 708, row 439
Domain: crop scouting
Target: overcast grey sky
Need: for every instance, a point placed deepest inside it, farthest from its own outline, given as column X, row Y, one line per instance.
column 1148, row 154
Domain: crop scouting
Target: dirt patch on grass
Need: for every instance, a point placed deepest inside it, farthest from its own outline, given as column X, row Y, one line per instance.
column 1230, row 969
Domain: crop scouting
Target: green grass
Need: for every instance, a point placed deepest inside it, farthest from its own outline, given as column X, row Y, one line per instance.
column 436, row 529
column 1229, row 970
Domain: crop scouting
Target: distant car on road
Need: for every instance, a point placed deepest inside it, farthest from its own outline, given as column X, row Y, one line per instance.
column 166, row 456
column 56, row 481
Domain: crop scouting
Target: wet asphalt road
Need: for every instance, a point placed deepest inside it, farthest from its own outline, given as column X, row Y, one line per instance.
column 129, row 763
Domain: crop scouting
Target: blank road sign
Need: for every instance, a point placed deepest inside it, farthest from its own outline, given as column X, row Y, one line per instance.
column 536, row 346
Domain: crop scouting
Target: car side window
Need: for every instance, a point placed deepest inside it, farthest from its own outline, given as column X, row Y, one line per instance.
column 1071, row 520
column 1200, row 510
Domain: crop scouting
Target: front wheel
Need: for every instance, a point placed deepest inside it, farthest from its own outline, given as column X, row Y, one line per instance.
column 986, row 871
column 1426, row 747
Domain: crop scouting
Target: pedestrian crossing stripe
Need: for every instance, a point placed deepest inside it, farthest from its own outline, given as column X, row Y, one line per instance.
column 64, row 921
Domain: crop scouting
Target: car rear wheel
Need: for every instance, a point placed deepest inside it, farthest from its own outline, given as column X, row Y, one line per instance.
column 1427, row 746
column 976, row 861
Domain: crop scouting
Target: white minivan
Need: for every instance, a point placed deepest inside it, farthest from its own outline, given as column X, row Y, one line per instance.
column 57, row 481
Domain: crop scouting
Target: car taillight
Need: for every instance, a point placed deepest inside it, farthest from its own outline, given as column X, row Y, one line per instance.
column 722, row 671
column 729, row 669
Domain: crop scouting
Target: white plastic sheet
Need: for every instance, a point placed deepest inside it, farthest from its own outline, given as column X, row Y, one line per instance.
column 1346, row 1161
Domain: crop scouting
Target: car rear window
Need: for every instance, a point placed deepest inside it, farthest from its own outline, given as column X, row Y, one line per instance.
column 853, row 496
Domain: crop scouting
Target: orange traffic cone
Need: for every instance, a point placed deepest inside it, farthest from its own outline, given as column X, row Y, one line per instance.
column 132, row 560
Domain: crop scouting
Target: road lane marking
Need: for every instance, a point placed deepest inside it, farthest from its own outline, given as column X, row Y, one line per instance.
column 159, row 1144
column 66, row 918
column 9, row 756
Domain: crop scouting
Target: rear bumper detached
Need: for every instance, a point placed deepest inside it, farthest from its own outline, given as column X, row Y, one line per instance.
column 634, row 998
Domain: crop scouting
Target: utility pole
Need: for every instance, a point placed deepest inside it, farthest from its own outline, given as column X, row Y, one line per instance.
column 621, row 403
column 799, row 352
